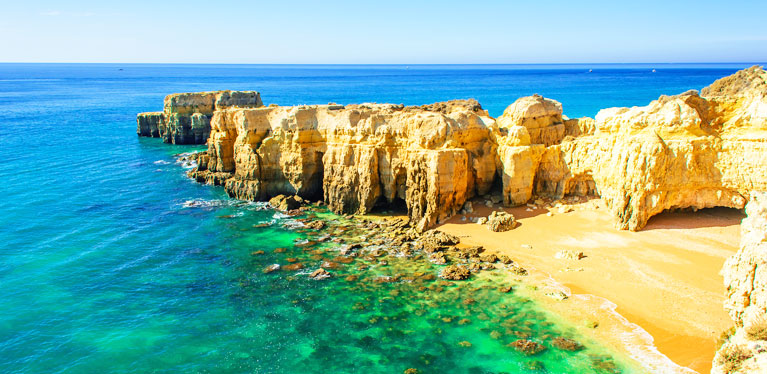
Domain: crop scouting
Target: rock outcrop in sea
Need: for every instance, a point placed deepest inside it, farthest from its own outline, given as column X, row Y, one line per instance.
column 185, row 118
column 685, row 151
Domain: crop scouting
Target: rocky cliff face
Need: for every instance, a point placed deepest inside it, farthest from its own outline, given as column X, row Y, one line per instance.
column 185, row 118
column 683, row 151
column 745, row 277
column 432, row 158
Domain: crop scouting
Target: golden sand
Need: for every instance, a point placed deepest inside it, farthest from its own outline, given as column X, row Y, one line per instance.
column 664, row 278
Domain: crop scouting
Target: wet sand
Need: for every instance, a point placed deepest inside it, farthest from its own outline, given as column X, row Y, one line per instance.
column 664, row 278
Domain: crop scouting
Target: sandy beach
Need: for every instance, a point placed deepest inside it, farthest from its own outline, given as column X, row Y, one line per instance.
column 664, row 278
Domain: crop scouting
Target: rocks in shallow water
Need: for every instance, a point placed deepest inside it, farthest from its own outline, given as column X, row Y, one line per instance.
column 569, row 254
column 286, row 203
column 557, row 295
column 506, row 260
column 316, row 225
column 271, row 268
column 330, row 265
column 528, row 347
column 464, row 344
column 343, row 259
column 505, row 289
column 481, row 220
column 319, row 274
column 434, row 240
column 517, row 270
column 293, row 267
column 256, row 253
column 454, row 272
column 467, row 252
column 348, row 249
column 488, row 257
column 567, row 344
column 535, row 366
column 500, row 221
column 604, row 364
column 411, row 371
column 438, row 258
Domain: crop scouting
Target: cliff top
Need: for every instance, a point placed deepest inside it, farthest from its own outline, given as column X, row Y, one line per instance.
column 744, row 82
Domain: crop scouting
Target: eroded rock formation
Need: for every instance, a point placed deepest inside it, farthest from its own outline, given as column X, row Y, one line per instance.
column 745, row 277
column 683, row 151
column 185, row 118
column 433, row 158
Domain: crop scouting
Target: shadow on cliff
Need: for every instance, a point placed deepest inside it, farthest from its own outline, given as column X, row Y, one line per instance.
column 689, row 219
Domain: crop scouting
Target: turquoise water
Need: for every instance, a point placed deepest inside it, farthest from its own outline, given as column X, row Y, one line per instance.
column 108, row 267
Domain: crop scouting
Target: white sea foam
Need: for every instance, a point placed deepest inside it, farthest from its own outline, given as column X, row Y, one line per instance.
column 202, row 203
column 161, row 162
column 637, row 342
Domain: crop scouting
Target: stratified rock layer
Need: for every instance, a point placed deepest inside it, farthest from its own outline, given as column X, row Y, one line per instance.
column 683, row 151
column 186, row 116
column 433, row 158
column 745, row 277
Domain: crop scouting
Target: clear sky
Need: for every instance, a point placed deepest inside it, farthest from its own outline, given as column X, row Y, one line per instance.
column 393, row 31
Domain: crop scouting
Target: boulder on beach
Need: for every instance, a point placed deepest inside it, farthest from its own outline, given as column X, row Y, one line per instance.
column 569, row 254
column 500, row 221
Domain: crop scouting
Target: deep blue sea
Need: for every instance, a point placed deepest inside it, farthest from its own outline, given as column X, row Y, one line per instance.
column 114, row 261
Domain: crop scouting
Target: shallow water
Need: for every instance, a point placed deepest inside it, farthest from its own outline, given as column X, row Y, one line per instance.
column 114, row 261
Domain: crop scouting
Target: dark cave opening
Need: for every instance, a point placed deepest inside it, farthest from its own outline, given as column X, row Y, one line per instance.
column 396, row 207
column 689, row 218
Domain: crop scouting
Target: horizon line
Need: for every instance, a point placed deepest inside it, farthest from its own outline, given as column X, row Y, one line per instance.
column 383, row 64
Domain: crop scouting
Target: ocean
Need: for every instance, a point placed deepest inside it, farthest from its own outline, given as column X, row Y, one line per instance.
column 114, row 261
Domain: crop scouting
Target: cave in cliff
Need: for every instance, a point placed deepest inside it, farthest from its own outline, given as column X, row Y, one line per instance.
column 691, row 218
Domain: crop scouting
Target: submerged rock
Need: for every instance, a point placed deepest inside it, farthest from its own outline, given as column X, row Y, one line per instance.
column 293, row 267
column 271, row 268
column 528, row 347
column 319, row 274
column 567, row 344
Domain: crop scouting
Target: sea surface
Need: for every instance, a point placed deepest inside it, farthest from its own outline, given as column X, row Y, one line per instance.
column 113, row 261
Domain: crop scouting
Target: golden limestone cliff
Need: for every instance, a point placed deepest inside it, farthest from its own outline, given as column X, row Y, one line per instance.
column 185, row 118
column 745, row 277
column 683, row 151
column 431, row 159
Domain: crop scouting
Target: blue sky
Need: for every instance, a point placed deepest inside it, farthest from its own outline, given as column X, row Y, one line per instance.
column 393, row 31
